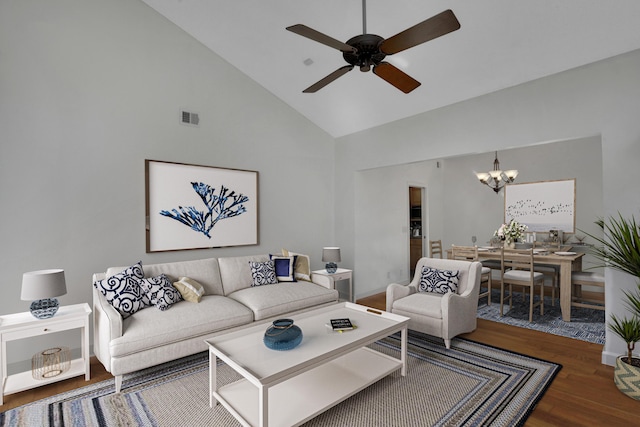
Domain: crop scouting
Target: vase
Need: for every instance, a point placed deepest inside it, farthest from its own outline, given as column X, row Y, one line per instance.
column 627, row 378
column 509, row 245
column 282, row 335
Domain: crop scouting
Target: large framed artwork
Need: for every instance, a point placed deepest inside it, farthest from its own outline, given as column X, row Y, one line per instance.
column 542, row 206
column 196, row 207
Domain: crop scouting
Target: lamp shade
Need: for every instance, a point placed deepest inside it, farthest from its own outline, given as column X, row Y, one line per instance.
column 43, row 284
column 331, row 254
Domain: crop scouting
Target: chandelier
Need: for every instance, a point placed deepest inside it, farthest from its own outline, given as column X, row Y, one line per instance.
column 497, row 178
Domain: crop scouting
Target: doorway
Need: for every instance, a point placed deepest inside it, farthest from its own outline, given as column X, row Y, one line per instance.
column 417, row 228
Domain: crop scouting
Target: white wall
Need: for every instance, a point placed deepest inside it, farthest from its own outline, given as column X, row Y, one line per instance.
column 459, row 207
column 382, row 221
column 602, row 98
column 91, row 88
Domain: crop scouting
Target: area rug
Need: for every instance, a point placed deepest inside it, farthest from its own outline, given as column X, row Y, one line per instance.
column 586, row 324
column 469, row 385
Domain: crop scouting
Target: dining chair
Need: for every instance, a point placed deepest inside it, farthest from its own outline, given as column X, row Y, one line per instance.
column 470, row 253
column 586, row 278
column 435, row 248
column 550, row 271
column 517, row 269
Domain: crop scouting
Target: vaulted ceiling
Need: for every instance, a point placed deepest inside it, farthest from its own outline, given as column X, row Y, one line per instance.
column 501, row 43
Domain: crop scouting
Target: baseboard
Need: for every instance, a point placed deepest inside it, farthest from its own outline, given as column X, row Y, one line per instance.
column 609, row 358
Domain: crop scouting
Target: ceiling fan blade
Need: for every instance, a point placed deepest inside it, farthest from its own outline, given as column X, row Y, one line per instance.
column 434, row 27
column 331, row 77
column 317, row 36
column 396, row 77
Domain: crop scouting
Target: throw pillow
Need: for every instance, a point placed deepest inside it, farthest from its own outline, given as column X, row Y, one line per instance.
column 123, row 291
column 302, row 268
column 438, row 281
column 263, row 273
column 160, row 291
column 190, row 290
column 285, row 267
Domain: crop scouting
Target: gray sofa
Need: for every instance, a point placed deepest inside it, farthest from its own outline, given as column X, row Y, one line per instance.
column 150, row 336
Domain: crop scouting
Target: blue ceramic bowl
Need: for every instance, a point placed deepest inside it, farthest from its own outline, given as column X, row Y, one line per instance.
column 283, row 335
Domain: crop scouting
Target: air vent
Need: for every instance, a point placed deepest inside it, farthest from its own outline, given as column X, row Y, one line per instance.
column 189, row 118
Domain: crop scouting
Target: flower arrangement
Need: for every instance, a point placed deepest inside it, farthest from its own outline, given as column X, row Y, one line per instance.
column 511, row 231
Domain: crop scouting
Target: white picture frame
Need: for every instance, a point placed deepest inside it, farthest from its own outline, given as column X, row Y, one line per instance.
column 542, row 205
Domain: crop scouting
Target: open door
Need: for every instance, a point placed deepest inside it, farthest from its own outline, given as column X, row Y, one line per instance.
column 416, row 227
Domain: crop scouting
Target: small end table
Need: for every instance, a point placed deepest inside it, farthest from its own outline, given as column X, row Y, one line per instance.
column 23, row 325
column 339, row 275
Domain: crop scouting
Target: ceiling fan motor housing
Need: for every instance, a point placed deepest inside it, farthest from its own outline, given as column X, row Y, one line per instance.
column 367, row 51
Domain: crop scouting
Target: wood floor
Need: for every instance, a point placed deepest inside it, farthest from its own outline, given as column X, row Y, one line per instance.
column 582, row 394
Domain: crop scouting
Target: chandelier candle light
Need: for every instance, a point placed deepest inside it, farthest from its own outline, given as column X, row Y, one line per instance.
column 497, row 178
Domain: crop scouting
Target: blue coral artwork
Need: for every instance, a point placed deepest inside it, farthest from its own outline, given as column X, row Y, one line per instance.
column 195, row 207
column 217, row 207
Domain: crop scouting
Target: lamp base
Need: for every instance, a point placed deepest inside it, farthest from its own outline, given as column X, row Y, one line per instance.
column 44, row 308
column 331, row 267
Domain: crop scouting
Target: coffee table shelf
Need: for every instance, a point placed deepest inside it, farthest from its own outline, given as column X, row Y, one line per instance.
column 291, row 387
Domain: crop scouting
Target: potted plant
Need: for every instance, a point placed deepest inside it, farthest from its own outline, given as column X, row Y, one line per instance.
column 620, row 250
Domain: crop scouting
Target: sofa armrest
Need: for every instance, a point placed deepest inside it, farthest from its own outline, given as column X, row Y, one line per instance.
column 324, row 281
column 395, row 291
column 107, row 325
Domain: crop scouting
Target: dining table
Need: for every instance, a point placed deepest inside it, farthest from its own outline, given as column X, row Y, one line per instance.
column 562, row 257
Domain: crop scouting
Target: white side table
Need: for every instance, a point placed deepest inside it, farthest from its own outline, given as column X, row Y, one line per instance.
column 23, row 325
column 340, row 274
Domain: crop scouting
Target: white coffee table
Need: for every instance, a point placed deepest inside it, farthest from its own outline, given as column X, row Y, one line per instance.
column 287, row 388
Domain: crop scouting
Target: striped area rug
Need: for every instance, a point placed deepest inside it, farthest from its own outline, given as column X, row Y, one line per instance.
column 469, row 385
column 587, row 324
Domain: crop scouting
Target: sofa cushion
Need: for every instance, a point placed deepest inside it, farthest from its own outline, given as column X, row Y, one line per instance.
column 204, row 271
column 426, row 303
column 122, row 290
column 438, row 281
column 148, row 329
column 302, row 270
column 236, row 272
column 190, row 289
column 285, row 267
column 263, row 273
column 283, row 297
column 160, row 291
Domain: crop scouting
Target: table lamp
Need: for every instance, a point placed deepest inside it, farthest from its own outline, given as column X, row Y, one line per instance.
column 331, row 256
column 42, row 287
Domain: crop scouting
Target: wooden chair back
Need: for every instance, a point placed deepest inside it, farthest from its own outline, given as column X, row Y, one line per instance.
column 464, row 253
column 435, row 248
column 517, row 259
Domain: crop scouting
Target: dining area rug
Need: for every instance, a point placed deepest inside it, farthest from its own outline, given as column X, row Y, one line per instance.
column 471, row 384
column 587, row 324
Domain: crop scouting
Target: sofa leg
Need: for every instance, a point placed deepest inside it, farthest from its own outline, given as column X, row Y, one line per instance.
column 118, row 383
column 447, row 343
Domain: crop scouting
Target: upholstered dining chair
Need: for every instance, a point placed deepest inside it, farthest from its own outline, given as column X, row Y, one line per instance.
column 517, row 270
column 442, row 298
column 435, row 248
column 470, row 253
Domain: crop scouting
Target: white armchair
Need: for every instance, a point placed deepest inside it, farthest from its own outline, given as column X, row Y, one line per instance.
column 440, row 315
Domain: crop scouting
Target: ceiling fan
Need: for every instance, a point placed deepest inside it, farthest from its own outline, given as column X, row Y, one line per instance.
column 369, row 50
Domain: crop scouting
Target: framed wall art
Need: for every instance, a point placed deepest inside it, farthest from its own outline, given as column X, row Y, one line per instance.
column 197, row 207
column 542, row 206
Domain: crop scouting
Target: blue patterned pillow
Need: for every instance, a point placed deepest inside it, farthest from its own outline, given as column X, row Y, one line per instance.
column 160, row 291
column 438, row 281
column 284, row 266
column 263, row 273
column 123, row 291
